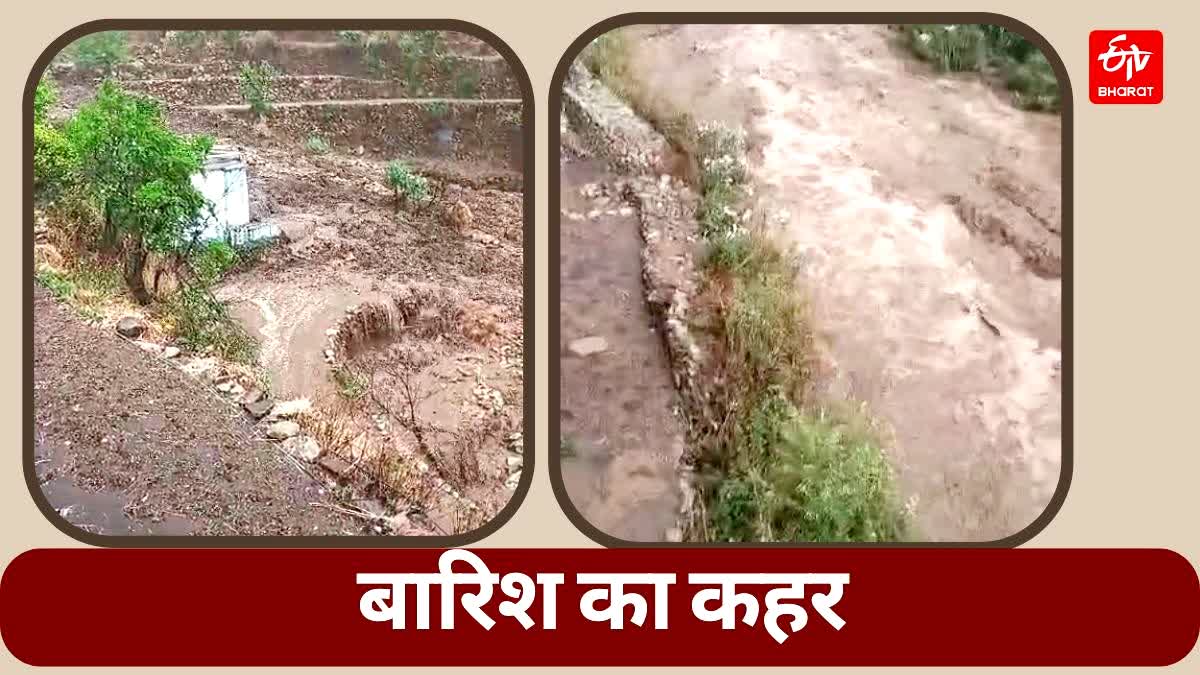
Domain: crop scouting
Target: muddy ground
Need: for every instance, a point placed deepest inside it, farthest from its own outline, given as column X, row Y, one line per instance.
column 621, row 437
column 926, row 212
column 125, row 443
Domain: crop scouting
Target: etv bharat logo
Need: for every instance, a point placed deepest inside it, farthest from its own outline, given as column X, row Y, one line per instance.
column 1126, row 66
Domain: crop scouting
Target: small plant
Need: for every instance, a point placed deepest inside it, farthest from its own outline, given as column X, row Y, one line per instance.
column 212, row 260
column 730, row 253
column 716, row 214
column 53, row 155
column 200, row 321
column 316, row 145
column 989, row 49
column 188, row 39
column 408, row 187
column 466, row 84
column 257, row 85
column 350, row 384
column 437, row 109
column 100, row 51
column 232, row 38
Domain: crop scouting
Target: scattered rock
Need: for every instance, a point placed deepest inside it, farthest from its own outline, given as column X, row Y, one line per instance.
column 204, row 369
column 303, row 447
column 291, row 408
column 170, row 352
column 237, row 390
column 131, row 326
column 589, row 345
column 253, row 396
column 147, row 346
column 226, row 386
column 283, row 430
column 259, row 409
column 334, row 465
column 515, row 462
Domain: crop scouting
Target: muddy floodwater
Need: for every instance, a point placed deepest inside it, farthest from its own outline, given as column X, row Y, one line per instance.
column 926, row 212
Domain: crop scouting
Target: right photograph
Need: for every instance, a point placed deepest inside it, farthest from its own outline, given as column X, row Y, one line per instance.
column 811, row 283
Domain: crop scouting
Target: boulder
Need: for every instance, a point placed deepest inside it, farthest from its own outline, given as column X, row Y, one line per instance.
column 283, row 430
column 303, row 447
column 131, row 326
column 258, row 409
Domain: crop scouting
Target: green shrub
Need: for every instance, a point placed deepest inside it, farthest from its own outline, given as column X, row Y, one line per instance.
column 350, row 385
column 232, row 38
column 200, row 321
column 436, row 109
column 257, row 86
column 466, row 84
column 188, row 39
column 419, row 51
column 729, row 253
column 99, row 51
column 721, row 151
column 53, row 156
column 407, row 186
column 316, row 145
column 716, row 214
column 137, row 172
column 212, row 259
column 987, row 48
column 45, row 95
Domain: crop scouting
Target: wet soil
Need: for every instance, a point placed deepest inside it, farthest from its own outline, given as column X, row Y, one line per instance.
column 926, row 212
column 125, row 443
column 621, row 439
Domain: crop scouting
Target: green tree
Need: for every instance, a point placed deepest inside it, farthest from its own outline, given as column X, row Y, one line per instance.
column 53, row 157
column 139, row 173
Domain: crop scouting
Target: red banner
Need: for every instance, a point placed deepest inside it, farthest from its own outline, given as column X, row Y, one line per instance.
column 926, row 607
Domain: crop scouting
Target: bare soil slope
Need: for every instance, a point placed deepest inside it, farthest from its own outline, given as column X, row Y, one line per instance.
column 125, row 443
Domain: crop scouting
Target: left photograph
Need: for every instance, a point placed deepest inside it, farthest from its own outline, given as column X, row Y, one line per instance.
column 278, row 282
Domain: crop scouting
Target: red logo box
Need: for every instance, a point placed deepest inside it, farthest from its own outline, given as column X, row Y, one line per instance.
column 1125, row 66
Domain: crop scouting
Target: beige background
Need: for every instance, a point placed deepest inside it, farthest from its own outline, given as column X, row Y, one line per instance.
column 1136, row 462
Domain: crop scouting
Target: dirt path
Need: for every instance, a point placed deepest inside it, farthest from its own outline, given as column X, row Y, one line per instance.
column 124, row 443
column 621, row 439
column 926, row 211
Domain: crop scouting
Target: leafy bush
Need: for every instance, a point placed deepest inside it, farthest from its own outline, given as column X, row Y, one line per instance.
column 350, row 385
column 257, row 86
column 466, row 84
column 188, row 39
column 729, row 253
column 437, row 109
column 212, row 260
column 716, row 214
column 99, row 51
column 138, row 173
column 419, row 50
column 200, row 321
column 232, row 38
column 44, row 98
column 721, row 150
column 804, row 477
column 316, row 145
column 53, row 157
column 987, row 48
column 408, row 186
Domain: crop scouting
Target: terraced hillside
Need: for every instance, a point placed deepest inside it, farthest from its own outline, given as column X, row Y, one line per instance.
column 402, row 325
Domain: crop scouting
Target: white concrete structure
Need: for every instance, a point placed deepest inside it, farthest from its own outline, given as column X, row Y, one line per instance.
column 224, row 183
